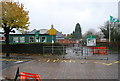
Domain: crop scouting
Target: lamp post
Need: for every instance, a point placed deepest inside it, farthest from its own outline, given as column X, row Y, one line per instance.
column 52, row 45
column 52, row 32
column 63, row 47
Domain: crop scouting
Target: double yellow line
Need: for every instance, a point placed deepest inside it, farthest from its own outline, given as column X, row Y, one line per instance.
column 73, row 61
column 12, row 60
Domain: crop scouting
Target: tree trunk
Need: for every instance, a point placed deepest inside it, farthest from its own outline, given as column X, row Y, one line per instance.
column 7, row 31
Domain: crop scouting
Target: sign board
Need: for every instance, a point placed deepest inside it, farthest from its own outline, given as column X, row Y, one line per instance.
column 36, row 33
column 52, row 32
column 91, row 41
column 103, row 40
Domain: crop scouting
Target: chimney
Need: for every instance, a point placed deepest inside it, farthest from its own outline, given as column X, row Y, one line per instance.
column 52, row 26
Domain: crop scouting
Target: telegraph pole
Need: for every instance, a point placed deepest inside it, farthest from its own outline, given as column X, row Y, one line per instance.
column 109, row 32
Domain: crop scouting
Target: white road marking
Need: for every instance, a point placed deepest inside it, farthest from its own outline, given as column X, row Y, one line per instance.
column 18, row 61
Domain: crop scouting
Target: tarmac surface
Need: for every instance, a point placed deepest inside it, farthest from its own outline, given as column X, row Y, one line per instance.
column 69, row 66
column 67, row 69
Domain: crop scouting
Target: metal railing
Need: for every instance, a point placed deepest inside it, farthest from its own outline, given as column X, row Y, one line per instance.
column 54, row 49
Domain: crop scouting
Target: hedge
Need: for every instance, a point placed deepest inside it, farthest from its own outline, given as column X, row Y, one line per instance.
column 115, row 46
column 33, row 48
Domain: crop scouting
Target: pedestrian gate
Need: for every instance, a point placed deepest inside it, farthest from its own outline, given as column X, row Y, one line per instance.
column 54, row 49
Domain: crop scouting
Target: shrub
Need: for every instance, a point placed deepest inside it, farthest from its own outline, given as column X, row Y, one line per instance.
column 32, row 48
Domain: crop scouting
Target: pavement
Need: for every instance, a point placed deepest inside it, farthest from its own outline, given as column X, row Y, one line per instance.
column 70, row 66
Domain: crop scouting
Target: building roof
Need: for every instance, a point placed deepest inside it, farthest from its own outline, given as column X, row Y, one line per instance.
column 31, row 32
column 24, row 34
column 59, row 35
column 91, row 36
column 41, row 31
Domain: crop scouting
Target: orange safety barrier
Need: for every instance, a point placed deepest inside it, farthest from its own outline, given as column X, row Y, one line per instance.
column 27, row 76
column 99, row 50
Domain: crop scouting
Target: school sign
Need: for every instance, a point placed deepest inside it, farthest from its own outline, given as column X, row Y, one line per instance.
column 91, row 40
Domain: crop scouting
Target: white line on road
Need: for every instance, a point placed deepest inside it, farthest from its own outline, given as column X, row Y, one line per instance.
column 18, row 61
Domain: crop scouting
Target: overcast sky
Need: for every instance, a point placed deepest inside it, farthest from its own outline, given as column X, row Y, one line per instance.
column 65, row 14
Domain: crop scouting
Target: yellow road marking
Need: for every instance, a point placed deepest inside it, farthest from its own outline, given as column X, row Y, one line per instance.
column 13, row 60
column 55, row 60
column 108, row 64
column 70, row 61
column 3, row 59
column 117, row 62
column 48, row 60
column 24, row 60
column 65, row 61
column 7, row 60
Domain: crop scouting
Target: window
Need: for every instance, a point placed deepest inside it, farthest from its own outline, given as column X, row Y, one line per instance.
column 22, row 39
column 37, row 39
column 43, row 39
column 31, row 39
column 15, row 39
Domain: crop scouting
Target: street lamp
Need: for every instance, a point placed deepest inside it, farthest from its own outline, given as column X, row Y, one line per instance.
column 52, row 32
column 52, row 45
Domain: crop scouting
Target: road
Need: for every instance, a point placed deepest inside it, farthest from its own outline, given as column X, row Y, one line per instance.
column 13, row 60
column 72, row 66
column 50, row 68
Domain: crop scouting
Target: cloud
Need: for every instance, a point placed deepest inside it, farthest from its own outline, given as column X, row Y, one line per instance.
column 64, row 14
